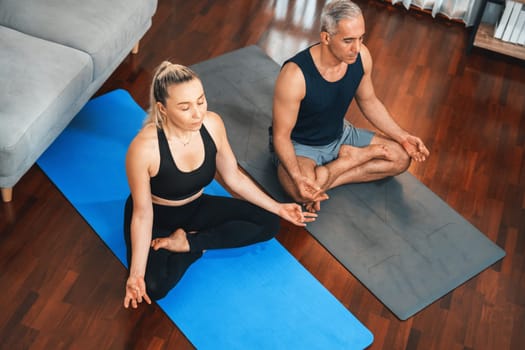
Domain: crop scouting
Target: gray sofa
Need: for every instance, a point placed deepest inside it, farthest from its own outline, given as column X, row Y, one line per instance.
column 54, row 55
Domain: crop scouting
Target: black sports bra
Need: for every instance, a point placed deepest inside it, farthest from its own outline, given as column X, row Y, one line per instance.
column 173, row 184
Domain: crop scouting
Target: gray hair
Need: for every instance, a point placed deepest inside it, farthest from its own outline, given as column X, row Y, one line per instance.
column 165, row 75
column 335, row 11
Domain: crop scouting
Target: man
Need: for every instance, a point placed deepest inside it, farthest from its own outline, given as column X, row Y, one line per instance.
column 315, row 148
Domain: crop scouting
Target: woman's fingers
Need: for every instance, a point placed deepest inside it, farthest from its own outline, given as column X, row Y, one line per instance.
column 146, row 297
column 309, row 217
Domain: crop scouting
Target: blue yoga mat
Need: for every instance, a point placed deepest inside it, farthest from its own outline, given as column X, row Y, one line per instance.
column 256, row 297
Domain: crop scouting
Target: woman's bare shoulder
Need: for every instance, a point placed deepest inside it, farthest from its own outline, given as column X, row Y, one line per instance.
column 215, row 126
column 145, row 141
column 147, row 133
column 213, row 122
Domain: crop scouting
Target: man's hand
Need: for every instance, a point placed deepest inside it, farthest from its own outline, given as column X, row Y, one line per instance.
column 415, row 148
column 309, row 191
column 311, row 194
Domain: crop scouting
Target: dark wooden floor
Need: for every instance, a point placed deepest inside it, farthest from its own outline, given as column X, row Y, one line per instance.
column 62, row 288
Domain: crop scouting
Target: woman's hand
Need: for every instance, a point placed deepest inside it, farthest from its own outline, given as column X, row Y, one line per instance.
column 292, row 212
column 135, row 292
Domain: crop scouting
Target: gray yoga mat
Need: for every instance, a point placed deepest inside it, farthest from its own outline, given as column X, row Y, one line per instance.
column 405, row 244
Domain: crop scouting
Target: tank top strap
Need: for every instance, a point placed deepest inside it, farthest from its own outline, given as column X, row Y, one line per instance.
column 164, row 147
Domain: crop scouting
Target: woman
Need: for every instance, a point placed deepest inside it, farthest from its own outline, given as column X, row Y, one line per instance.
column 169, row 222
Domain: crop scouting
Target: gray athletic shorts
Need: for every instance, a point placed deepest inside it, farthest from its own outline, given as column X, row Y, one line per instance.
column 324, row 154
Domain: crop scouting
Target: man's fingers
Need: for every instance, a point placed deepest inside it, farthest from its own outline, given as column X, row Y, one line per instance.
column 419, row 156
column 320, row 196
column 310, row 207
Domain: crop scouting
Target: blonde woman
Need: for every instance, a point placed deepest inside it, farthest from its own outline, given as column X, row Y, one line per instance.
column 169, row 221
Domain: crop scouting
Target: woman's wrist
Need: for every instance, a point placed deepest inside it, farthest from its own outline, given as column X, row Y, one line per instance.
column 136, row 273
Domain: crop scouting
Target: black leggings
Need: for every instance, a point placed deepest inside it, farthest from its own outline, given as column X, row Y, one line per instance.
column 218, row 222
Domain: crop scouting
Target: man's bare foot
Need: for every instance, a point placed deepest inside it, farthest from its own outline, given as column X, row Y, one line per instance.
column 322, row 176
column 176, row 242
column 361, row 155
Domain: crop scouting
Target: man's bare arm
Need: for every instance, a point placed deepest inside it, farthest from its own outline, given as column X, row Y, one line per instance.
column 375, row 111
column 372, row 108
column 289, row 91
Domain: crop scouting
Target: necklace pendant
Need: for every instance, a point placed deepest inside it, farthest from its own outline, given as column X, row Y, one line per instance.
column 187, row 142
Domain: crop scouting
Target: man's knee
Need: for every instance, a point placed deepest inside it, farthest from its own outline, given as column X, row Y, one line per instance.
column 401, row 159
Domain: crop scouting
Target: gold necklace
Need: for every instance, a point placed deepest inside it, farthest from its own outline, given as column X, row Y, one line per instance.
column 184, row 143
column 187, row 142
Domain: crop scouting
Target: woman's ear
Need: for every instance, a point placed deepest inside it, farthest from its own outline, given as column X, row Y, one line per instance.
column 162, row 108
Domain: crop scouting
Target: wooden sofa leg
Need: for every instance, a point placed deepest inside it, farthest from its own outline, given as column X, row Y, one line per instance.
column 7, row 194
column 135, row 49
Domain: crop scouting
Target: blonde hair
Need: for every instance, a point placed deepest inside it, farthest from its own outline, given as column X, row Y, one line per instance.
column 335, row 11
column 165, row 75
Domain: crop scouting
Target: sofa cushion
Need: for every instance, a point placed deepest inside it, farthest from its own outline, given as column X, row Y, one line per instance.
column 40, row 79
column 102, row 28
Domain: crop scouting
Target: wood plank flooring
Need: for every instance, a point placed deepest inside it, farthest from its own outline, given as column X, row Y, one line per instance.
column 62, row 288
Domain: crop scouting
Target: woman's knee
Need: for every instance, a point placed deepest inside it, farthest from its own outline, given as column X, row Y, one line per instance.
column 274, row 223
column 156, row 290
column 158, row 285
column 271, row 225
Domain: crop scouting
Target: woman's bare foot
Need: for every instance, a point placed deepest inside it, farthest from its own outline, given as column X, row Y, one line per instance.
column 176, row 242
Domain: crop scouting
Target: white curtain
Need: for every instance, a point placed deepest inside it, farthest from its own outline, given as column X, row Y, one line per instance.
column 464, row 10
